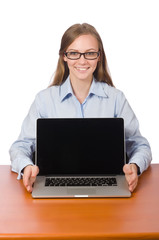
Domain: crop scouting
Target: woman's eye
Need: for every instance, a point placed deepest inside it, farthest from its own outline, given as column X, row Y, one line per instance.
column 73, row 53
column 90, row 53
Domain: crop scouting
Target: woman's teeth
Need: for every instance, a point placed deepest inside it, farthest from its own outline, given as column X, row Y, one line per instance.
column 81, row 68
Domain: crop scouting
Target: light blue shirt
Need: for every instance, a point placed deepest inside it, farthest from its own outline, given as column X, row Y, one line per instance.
column 60, row 102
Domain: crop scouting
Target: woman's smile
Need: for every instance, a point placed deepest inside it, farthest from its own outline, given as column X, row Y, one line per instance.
column 82, row 69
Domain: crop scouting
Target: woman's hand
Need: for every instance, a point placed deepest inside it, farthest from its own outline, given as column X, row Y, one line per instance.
column 130, row 171
column 30, row 173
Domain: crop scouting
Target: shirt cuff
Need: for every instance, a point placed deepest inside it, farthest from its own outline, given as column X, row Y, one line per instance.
column 21, row 165
column 139, row 164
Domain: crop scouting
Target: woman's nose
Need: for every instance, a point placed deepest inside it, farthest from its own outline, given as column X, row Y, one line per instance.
column 82, row 60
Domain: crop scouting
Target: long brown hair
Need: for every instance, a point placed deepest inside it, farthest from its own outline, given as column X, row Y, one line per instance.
column 101, row 73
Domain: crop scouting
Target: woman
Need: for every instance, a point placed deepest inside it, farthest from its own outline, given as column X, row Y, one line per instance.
column 82, row 87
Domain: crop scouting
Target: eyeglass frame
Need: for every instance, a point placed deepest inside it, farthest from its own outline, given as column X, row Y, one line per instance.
column 98, row 53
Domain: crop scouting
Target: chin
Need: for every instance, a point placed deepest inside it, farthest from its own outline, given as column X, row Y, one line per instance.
column 84, row 76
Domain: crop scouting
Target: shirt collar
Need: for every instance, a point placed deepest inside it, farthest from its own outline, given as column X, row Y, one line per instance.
column 65, row 90
column 97, row 88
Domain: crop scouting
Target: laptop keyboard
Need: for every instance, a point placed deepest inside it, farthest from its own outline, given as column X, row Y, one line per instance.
column 110, row 181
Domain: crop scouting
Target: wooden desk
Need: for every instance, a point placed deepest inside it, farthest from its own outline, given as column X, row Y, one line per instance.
column 22, row 217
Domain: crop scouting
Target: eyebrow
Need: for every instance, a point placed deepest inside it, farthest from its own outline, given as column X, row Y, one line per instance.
column 91, row 49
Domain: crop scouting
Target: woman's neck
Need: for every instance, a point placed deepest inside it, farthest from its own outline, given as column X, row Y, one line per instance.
column 81, row 88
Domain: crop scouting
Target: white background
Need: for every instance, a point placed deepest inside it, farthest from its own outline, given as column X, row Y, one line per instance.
column 30, row 34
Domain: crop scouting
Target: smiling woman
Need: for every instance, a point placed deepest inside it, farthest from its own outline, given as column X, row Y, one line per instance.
column 82, row 68
column 82, row 40
column 82, row 88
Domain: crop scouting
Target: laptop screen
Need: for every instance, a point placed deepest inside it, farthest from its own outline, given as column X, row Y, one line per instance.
column 80, row 146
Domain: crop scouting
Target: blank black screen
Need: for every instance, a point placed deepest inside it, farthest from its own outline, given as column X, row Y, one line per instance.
column 81, row 146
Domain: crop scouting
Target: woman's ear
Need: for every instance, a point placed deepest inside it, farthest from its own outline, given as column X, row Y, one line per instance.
column 99, row 57
column 64, row 58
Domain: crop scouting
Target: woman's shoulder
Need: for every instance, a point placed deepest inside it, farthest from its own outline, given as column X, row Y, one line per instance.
column 48, row 92
column 111, row 90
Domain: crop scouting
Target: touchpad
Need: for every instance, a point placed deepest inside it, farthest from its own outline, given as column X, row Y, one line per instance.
column 78, row 191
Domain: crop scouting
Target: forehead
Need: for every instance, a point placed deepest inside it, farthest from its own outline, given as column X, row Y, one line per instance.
column 84, row 43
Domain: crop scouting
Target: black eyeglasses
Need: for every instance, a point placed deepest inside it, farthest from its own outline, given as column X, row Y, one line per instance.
column 77, row 55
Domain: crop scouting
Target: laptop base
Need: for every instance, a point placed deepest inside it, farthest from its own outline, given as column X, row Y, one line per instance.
column 41, row 191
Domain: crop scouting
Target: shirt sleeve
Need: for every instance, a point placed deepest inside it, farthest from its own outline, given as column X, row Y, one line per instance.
column 22, row 150
column 137, row 147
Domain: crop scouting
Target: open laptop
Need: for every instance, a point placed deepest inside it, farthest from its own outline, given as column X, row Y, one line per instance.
column 80, row 157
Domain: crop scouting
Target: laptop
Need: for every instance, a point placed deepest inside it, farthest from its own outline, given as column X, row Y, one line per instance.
column 80, row 158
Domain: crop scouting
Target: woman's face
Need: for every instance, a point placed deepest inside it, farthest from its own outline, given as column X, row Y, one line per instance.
column 82, row 69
